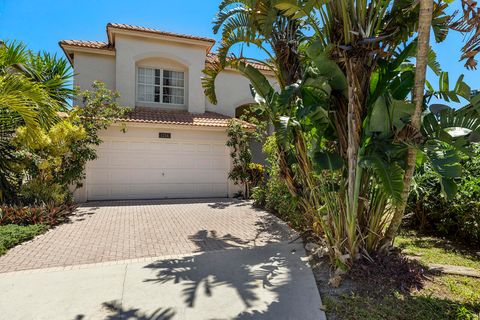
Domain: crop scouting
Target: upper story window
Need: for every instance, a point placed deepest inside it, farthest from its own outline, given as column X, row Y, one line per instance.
column 160, row 86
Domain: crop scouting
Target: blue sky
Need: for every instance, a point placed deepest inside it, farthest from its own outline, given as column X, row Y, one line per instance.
column 41, row 24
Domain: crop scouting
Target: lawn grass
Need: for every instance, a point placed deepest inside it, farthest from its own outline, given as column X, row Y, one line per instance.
column 12, row 235
column 437, row 251
column 445, row 297
column 441, row 296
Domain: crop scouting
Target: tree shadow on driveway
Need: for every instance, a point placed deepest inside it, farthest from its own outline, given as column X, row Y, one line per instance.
column 117, row 312
column 240, row 269
column 269, row 282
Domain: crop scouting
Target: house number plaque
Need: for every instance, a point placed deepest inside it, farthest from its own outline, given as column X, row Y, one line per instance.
column 164, row 135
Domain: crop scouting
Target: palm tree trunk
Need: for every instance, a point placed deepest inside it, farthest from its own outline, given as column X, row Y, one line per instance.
column 424, row 25
column 358, row 70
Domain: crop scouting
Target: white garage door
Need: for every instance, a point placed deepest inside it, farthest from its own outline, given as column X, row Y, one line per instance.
column 161, row 168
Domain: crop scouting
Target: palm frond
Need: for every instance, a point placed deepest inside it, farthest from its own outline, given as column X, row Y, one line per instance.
column 27, row 99
column 469, row 24
column 229, row 19
column 54, row 73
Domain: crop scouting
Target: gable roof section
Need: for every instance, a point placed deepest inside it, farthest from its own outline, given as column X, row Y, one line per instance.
column 159, row 116
column 120, row 26
column 70, row 46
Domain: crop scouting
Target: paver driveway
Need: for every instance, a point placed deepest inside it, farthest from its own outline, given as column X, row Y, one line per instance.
column 123, row 230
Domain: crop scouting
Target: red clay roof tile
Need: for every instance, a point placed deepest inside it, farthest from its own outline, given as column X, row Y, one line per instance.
column 87, row 44
column 150, row 30
column 213, row 57
column 207, row 119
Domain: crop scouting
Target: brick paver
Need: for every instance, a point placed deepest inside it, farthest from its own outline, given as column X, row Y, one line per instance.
column 122, row 230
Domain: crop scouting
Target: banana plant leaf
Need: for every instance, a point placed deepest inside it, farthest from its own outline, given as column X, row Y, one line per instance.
column 324, row 160
column 390, row 175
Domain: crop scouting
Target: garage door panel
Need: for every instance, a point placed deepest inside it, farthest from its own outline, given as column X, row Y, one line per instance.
column 97, row 175
column 119, row 144
column 118, row 176
column 101, row 161
column 204, row 148
column 135, row 169
column 193, row 176
column 187, row 147
column 138, row 146
column 119, row 190
column 220, row 163
column 219, row 149
column 98, row 191
column 219, row 189
column 168, row 147
column 203, row 163
column 119, row 160
column 104, row 145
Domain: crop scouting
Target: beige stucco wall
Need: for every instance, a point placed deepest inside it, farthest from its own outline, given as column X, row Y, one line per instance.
column 89, row 67
column 232, row 90
column 119, row 71
column 130, row 51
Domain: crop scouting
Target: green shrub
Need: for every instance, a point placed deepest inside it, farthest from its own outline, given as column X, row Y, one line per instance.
column 458, row 217
column 11, row 235
column 48, row 166
column 273, row 195
column 37, row 191
column 256, row 174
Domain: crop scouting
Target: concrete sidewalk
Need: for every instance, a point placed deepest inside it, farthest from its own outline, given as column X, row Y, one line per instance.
column 267, row 282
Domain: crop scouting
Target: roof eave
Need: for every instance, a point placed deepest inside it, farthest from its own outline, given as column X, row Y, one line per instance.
column 67, row 54
column 69, row 50
column 111, row 30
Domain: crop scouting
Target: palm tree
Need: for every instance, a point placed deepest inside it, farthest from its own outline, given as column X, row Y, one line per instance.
column 423, row 49
column 256, row 23
column 33, row 86
column 260, row 23
column 32, row 89
column 356, row 79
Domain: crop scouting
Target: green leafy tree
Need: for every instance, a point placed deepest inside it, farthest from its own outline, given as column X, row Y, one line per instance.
column 31, row 93
column 349, row 118
column 239, row 143
column 55, row 161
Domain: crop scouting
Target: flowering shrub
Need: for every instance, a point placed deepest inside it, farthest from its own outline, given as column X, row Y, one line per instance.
column 256, row 174
column 44, row 161
column 55, row 160
column 28, row 215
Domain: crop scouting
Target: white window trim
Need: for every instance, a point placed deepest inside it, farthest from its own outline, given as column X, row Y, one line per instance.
column 161, row 86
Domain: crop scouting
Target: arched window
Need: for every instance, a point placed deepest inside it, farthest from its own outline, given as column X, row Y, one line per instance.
column 161, row 82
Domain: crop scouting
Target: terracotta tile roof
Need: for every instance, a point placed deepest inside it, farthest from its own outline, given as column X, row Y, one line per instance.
column 213, row 57
column 207, row 119
column 143, row 29
column 87, row 44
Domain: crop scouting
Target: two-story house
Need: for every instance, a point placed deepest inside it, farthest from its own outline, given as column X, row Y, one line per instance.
column 174, row 145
